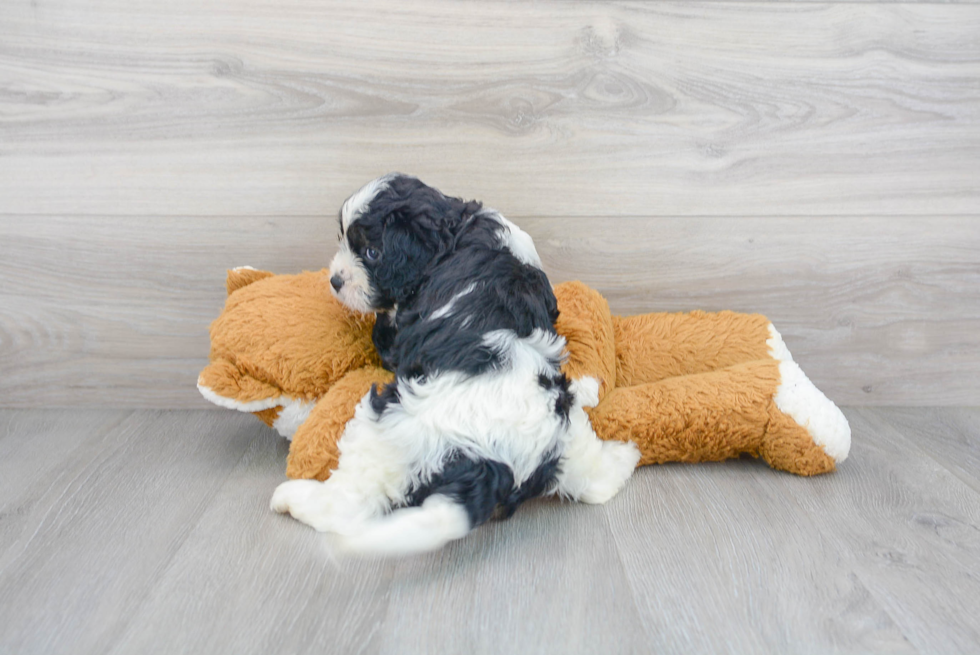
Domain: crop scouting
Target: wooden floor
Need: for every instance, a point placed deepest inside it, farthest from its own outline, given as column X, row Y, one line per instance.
column 148, row 532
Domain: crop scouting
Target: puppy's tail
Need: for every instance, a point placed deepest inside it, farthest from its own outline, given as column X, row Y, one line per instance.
column 466, row 493
column 430, row 526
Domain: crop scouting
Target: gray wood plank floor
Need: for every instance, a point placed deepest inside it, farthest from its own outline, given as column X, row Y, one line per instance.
column 148, row 531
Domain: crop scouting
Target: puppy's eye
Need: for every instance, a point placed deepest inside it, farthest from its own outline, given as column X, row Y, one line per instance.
column 371, row 254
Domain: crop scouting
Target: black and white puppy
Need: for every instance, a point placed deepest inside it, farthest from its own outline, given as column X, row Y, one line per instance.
column 480, row 417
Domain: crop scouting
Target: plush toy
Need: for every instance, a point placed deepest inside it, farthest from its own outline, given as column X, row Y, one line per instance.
column 684, row 387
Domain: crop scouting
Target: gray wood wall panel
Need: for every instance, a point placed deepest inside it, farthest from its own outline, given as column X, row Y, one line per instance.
column 551, row 108
column 813, row 162
column 115, row 310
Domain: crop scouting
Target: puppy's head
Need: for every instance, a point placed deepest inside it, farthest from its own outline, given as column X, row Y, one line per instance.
column 390, row 231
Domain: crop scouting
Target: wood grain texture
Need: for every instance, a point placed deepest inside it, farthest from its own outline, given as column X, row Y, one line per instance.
column 762, row 573
column 247, row 580
column 154, row 536
column 953, row 435
column 37, row 452
column 566, row 591
column 911, row 526
column 815, row 162
column 114, row 310
column 876, row 310
column 277, row 589
column 111, row 517
column 545, row 109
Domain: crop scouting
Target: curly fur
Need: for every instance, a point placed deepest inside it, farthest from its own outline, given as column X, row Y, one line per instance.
column 480, row 417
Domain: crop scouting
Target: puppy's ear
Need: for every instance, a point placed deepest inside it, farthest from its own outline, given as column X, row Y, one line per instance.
column 406, row 257
column 432, row 224
column 444, row 218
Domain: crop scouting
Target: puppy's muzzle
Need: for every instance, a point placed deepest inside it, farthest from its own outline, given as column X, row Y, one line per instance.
column 337, row 282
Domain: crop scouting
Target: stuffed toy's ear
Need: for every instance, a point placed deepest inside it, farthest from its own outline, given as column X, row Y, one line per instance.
column 242, row 276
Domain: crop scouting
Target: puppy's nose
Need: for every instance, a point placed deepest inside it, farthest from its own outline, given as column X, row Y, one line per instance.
column 336, row 282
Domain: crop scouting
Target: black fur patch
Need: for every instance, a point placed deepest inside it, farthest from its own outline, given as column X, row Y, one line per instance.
column 565, row 400
column 485, row 488
column 506, row 294
column 383, row 336
column 388, row 395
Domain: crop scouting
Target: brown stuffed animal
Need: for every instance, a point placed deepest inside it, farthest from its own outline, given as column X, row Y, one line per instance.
column 684, row 387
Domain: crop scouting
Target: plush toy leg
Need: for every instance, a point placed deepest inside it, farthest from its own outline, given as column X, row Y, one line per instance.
column 313, row 452
column 653, row 347
column 223, row 384
column 713, row 416
column 788, row 446
column 692, row 418
column 799, row 407
column 700, row 386
column 592, row 471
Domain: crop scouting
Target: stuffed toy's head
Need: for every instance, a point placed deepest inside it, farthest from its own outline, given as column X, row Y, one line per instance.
column 280, row 344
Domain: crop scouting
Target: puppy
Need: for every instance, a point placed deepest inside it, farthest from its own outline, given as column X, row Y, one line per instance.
column 480, row 417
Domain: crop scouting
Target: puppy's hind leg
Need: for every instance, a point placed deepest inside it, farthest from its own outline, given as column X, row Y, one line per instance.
column 368, row 479
column 592, row 470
